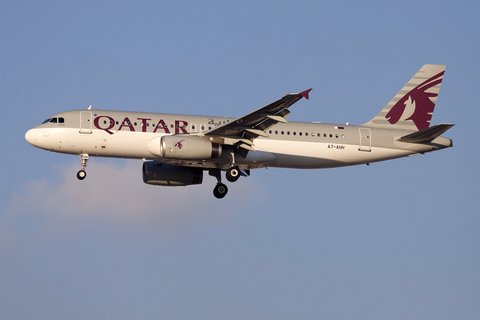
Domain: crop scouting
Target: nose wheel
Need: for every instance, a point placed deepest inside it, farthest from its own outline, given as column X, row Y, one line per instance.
column 82, row 173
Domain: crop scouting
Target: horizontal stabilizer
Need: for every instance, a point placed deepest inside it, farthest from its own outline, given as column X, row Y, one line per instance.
column 426, row 135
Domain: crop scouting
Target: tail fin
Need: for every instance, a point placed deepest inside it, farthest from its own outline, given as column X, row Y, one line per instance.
column 412, row 107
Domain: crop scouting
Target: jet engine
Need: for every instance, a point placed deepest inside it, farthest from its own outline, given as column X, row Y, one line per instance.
column 162, row 174
column 184, row 147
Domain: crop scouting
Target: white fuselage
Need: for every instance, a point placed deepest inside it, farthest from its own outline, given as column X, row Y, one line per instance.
column 288, row 145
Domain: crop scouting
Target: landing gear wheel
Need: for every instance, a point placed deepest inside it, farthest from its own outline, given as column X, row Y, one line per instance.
column 81, row 174
column 84, row 158
column 220, row 191
column 232, row 174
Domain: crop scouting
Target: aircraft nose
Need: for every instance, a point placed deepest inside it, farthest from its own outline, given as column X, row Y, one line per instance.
column 32, row 136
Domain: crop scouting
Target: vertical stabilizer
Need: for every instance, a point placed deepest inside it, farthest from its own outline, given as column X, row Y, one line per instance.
column 412, row 107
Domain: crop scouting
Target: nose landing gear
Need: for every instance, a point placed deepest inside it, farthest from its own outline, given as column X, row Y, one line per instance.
column 82, row 173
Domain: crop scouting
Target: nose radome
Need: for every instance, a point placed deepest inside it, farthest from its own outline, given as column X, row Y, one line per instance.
column 31, row 136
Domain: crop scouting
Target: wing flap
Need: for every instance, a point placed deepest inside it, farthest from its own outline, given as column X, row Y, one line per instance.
column 246, row 147
column 276, row 118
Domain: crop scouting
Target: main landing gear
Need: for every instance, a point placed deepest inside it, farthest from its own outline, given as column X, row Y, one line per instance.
column 82, row 173
column 220, row 189
column 232, row 175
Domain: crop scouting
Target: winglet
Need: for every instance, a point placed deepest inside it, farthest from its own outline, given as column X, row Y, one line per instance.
column 305, row 93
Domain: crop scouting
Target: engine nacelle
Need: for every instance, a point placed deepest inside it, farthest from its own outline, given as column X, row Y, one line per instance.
column 184, row 147
column 162, row 174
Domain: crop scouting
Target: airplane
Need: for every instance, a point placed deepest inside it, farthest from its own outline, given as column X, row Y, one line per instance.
column 177, row 149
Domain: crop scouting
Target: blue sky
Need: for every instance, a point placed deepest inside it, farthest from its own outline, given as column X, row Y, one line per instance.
column 396, row 240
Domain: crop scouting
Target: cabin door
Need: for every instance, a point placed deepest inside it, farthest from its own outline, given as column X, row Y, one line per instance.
column 365, row 140
column 85, row 122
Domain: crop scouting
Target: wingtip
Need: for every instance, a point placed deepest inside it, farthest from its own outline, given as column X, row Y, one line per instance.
column 305, row 93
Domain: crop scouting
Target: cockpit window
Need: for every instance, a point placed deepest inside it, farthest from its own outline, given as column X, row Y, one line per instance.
column 54, row 120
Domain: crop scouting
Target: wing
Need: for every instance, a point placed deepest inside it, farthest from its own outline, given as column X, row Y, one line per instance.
column 244, row 130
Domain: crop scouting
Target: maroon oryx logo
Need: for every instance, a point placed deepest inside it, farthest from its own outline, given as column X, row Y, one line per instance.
column 416, row 105
column 179, row 144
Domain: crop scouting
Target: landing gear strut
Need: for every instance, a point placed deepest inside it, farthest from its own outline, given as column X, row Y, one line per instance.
column 220, row 190
column 82, row 173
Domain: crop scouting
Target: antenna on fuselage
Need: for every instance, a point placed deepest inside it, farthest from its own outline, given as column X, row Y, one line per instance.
column 90, row 108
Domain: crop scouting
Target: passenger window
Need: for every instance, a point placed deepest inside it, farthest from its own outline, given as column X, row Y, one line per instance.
column 299, row 133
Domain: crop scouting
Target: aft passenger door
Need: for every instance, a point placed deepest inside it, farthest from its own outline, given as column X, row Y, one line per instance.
column 365, row 139
column 85, row 122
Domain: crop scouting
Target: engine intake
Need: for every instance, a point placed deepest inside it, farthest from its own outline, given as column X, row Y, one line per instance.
column 162, row 174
